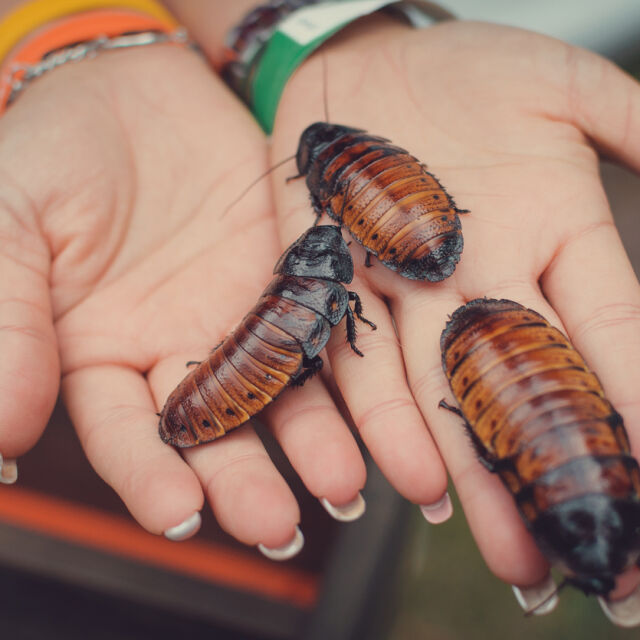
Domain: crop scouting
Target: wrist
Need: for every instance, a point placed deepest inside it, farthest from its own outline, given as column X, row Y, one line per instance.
column 265, row 46
column 39, row 36
column 374, row 68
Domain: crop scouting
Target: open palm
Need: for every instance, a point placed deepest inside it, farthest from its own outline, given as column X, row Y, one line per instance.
column 117, row 173
column 506, row 120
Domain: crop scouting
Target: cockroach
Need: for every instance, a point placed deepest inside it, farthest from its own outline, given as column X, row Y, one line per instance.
column 538, row 417
column 389, row 202
column 276, row 344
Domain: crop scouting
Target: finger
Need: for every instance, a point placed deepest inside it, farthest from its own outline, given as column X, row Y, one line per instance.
column 604, row 102
column 29, row 367
column 502, row 538
column 320, row 447
column 374, row 389
column 383, row 409
column 249, row 497
column 115, row 418
column 592, row 286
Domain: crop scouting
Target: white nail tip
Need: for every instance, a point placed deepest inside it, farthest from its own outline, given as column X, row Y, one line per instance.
column 8, row 470
column 185, row 529
column 625, row 612
column 438, row 512
column 540, row 599
column 285, row 551
column 346, row 512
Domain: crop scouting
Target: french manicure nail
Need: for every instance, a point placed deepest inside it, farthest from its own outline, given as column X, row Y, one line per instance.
column 624, row 612
column 346, row 512
column 286, row 551
column 8, row 470
column 540, row 599
column 185, row 529
column 438, row 512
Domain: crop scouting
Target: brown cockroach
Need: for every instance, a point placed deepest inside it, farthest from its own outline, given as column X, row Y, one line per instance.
column 276, row 345
column 395, row 208
column 538, row 417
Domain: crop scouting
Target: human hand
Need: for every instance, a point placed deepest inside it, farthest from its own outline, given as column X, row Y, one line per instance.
column 511, row 123
column 117, row 171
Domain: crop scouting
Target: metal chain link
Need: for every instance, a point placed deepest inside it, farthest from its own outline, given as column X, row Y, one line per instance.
column 86, row 50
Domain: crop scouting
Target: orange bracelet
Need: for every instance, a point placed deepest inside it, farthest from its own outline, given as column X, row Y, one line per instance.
column 30, row 15
column 70, row 31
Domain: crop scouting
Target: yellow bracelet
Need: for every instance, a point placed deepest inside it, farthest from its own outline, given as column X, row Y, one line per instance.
column 28, row 17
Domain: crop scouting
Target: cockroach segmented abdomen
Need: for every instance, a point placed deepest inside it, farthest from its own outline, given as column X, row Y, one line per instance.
column 532, row 403
column 396, row 209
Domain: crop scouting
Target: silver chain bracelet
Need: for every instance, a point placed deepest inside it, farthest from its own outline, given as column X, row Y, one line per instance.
column 83, row 51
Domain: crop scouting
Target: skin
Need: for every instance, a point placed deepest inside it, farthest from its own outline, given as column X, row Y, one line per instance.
column 121, row 269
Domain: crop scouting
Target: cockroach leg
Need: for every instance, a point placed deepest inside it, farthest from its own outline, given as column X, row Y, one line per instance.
column 443, row 404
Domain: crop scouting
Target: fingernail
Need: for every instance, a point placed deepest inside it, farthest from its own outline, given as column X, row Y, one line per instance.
column 185, row 529
column 286, row 551
column 8, row 470
column 438, row 512
column 624, row 612
column 346, row 512
column 540, row 599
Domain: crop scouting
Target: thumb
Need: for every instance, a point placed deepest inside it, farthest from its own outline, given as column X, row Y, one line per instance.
column 604, row 102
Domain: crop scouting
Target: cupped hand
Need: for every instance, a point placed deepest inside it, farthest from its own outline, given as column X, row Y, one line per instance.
column 119, row 267
column 511, row 123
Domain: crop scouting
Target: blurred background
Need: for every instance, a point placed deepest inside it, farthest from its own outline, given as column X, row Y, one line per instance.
column 74, row 565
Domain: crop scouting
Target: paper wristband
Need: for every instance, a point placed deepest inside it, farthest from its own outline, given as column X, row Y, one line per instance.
column 300, row 33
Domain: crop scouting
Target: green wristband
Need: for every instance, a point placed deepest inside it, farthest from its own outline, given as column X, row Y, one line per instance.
column 300, row 33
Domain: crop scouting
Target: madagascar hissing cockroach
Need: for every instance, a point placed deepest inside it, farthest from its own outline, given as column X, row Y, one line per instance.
column 275, row 345
column 386, row 198
column 538, row 417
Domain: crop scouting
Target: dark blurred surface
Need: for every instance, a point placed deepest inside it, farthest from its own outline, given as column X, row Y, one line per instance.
column 42, row 608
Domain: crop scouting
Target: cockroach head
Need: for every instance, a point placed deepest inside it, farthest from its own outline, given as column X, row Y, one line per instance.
column 320, row 252
column 315, row 138
column 593, row 585
column 593, row 538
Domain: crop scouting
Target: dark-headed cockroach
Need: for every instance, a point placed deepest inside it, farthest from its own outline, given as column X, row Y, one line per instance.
column 275, row 345
column 390, row 203
column 538, row 417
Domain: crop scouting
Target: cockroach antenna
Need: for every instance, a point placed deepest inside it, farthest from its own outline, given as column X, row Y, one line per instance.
column 255, row 182
column 325, row 84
